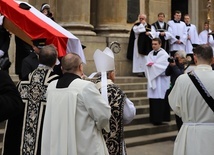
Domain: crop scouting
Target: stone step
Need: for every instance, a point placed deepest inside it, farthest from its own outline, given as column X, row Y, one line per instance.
column 142, row 109
column 132, row 86
column 2, row 124
column 1, row 146
column 15, row 78
column 129, row 79
column 1, row 134
column 136, row 93
column 139, row 100
column 148, row 139
column 149, row 129
column 144, row 119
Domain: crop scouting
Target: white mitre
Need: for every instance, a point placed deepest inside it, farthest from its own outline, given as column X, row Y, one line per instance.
column 104, row 62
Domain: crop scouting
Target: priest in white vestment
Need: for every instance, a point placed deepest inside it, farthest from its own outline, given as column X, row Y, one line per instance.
column 179, row 33
column 75, row 114
column 196, row 136
column 205, row 37
column 158, row 82
column 192, row 35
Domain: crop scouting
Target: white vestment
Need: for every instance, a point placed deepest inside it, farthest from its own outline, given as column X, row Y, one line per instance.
column 194, row 39
column 139, row 60
column 74, row 119
column 158, row 82
column 196, row 136
column 177, row 29
column 204, row 38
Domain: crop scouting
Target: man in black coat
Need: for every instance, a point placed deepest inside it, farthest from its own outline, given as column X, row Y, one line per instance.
column 139, row 45
column 10, row 100
column 31, row 62
column 4, row 42
column 22, row 50
column 11, row 109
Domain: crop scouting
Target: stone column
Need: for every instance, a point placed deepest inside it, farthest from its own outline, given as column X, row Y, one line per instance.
column 74, row 16
column 193, row 11
column 111, row 18
column 157, row 6
column 71, row 14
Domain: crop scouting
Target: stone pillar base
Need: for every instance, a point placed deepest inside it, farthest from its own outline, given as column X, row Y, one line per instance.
column 112, row 31
column 79, row 29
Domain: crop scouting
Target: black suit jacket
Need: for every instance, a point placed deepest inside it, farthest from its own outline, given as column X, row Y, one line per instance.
column 22, row 50
column 4, row 40
column 10, row 100
column 144, row 42
column 29, row 64
column 11, row 108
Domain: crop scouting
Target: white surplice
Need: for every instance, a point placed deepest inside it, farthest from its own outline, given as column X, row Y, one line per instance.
column 158, row 82
column 177, row 29
column 74, row 119
column 196, row 136
column 204, row 38
column 194, row 39
column 139, row 60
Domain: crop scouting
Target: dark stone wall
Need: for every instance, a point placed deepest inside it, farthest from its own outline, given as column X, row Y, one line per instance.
column 133, row 10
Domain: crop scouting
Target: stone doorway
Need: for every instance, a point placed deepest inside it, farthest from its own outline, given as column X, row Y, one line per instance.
column 181, row 5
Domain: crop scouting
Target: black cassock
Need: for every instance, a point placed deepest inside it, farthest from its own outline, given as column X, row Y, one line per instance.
column 144, row 42
column 165, row 43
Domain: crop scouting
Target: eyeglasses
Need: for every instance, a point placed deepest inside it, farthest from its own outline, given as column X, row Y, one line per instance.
column 142, row 18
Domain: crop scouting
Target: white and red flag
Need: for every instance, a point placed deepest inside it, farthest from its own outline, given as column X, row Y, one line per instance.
column 32, row 24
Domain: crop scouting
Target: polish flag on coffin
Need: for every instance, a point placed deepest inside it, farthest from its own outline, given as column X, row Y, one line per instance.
column 32, row 24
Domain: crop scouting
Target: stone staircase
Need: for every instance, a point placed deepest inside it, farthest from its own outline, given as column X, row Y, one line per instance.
column 2, row 131
column 139, row 131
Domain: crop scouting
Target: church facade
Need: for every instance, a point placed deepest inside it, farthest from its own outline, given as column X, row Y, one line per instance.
column 101, row 23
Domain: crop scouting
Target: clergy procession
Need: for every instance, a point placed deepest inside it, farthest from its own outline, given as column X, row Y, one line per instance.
column 175, row 46
column 56, row 109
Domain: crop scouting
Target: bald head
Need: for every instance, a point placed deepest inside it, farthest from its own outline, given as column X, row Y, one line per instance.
column 71, row 63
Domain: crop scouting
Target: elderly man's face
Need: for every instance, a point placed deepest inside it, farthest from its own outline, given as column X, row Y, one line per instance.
column 142, row 19
column 180, row 59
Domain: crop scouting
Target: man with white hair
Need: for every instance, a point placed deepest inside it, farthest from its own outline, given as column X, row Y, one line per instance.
column 139, row 44
column 174, row 70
